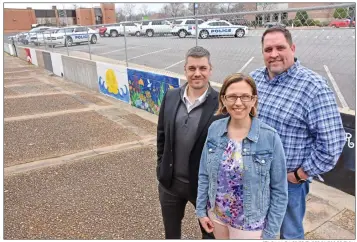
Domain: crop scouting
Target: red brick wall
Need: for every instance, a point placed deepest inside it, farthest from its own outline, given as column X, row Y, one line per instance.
column 17, row 20
column 85, row 16
column 108, row 11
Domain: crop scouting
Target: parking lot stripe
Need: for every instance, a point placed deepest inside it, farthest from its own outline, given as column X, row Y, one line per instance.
column 148, row 53
column 246, row 64
column 338, row 92
column 174, row 64
column 123, row 49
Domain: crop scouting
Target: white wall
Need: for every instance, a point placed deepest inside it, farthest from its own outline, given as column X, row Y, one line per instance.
column 33, row 57
column 57, row 64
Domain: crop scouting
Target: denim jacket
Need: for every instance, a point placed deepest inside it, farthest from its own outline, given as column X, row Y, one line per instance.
column 265, row 178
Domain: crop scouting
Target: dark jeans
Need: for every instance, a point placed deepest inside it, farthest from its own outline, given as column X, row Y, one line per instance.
column 173, row 203
column 292, row 227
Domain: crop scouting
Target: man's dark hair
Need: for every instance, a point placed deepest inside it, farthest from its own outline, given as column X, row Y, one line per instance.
column 198, row 52
column 282, row 30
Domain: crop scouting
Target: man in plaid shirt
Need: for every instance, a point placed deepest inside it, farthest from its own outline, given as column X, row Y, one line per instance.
column 298, row 103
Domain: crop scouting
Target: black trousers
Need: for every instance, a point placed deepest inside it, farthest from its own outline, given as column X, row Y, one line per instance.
column 173, row 203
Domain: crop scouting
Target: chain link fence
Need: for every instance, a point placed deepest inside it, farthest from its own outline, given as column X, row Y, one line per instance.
column 324, row 37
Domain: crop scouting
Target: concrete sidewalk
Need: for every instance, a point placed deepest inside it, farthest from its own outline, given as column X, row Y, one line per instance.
column 80, row 165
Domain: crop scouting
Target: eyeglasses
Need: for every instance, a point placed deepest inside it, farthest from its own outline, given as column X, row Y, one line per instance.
column 243, row 98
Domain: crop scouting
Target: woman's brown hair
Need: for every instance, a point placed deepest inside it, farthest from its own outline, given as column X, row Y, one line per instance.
column 234, row 78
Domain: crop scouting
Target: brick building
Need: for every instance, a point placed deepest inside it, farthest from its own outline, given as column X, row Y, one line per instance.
column 16, row 20
column 323, row 15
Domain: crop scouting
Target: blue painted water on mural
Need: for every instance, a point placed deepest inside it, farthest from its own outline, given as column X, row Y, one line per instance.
column 122, row 95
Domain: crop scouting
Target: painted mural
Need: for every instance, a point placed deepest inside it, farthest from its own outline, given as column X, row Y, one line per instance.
column 113, row 81
column 147, row 89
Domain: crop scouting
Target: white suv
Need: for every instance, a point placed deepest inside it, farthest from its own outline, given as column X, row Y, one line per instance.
column 150, row 28
column 118, row 29
column 183, row 27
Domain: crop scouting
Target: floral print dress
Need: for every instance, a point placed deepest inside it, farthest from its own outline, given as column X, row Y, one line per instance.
column 229, row 199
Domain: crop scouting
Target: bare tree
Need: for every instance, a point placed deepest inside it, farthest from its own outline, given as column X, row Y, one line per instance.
column 208, row 8
column 129, row 10
column 189, row 10
column 176, row 9
column 225, row 7
column 145, row 10
column 120, row 15
column 165, row 11
column 265, row 6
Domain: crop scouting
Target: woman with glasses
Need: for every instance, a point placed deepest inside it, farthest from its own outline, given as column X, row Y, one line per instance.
column 242, row 186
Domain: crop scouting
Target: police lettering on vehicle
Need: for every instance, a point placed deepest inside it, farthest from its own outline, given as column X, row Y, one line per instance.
column 81, row 36
column 221, row 30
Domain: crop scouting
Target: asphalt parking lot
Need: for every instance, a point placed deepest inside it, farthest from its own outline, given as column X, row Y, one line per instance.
column 329, row 52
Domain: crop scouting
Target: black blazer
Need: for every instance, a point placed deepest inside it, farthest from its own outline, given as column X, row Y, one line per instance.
column 165, row 137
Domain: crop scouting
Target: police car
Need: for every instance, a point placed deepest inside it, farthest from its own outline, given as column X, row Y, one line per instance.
column 32, row 35
column 72, row 35
column 219, row 28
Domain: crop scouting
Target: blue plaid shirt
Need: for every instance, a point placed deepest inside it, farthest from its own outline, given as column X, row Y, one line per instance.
column 302, row 108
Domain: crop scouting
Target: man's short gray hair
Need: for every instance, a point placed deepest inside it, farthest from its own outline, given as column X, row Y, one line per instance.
column 198, row 52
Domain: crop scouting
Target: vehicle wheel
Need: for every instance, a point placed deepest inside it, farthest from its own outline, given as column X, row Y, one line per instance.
column 93, row 40
column 240, row 33
column 114, row 33
column 69, row 42
column 137, row 34
column 204, row 34
column 182, row 34
column 150, row 33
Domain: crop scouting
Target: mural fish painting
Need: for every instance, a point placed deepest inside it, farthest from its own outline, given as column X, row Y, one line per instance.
column 110, row 86
column 147, row 89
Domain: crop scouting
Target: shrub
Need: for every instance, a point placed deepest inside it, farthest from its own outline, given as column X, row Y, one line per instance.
column 340, row 13
column 297, row 23
column 302, row 16
column 309, row 22
column 318, row 23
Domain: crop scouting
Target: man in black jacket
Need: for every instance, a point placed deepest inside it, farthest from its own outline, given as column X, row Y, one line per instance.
column 185, row 116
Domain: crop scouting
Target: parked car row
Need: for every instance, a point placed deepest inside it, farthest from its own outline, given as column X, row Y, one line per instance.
column 66, row 36
column 180, row 28
column 70, row 35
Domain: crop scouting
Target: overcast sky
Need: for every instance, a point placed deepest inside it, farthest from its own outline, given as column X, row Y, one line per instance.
column 155, row 7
